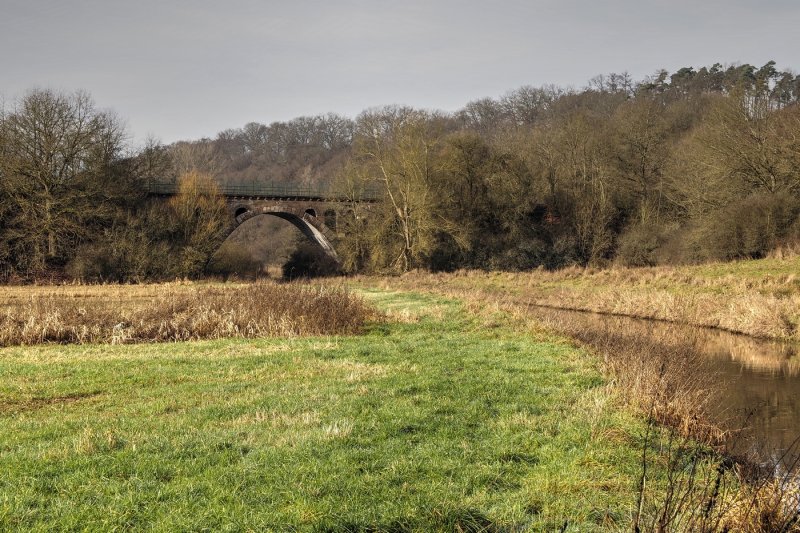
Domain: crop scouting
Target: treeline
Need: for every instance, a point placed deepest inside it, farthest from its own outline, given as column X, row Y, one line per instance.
column 696, row 166
column 692, row 166
column 303, row 151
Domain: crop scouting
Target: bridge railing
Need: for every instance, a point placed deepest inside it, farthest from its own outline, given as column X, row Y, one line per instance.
column 269, row 190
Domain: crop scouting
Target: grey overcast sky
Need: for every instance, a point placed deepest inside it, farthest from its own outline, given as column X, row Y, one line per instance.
column 181, row 69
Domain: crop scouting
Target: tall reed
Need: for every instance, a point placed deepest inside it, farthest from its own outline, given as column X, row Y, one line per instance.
column 262, row 309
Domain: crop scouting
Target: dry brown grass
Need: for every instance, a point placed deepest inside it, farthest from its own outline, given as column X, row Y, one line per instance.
column 787, row 251
column 757, row 298
column 175, row 312
column 771, row 505
column 753, row 314
column 652, row 370
column 655, row 371
column 657, row 374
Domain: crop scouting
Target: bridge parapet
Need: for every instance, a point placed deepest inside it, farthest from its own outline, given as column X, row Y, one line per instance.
column 271, row 190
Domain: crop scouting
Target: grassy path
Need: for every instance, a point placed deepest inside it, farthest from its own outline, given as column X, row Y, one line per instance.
column 432, row 422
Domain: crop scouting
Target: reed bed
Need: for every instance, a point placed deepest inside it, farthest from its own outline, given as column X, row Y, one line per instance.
column 131, row 314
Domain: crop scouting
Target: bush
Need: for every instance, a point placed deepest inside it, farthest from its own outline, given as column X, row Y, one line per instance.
column 639, row 245
column 124, row 253
column 752, row 227
column 309, row 261
column 232, row 260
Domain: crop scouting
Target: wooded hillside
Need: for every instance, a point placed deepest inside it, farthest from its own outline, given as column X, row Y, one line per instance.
column 691, row 166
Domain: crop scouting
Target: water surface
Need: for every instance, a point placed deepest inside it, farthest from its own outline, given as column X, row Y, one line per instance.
column 757, row 381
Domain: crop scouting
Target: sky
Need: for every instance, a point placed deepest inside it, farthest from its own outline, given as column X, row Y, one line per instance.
column 186, row 69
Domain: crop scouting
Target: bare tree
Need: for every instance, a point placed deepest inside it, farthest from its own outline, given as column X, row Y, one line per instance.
column 57, row 173
column 200, row 215
column 199, row 156
column 395, row 150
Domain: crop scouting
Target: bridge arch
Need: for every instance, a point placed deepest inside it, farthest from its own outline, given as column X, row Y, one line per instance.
column 303, row 219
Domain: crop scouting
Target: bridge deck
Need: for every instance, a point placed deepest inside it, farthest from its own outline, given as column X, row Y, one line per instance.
column 271, row 190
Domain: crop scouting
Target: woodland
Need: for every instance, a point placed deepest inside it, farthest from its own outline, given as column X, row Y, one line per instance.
column 698, row 165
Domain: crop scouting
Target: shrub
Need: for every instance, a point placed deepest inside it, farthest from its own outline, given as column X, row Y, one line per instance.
column 261, row 309
column 751, row 227
column 233, row 260
column 309, row 261
column 640, row 245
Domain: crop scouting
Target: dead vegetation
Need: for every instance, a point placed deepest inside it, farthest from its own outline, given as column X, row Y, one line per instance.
column 757, row 298
column 174, row 312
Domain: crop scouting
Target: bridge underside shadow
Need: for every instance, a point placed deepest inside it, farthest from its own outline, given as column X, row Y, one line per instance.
column 303, row 217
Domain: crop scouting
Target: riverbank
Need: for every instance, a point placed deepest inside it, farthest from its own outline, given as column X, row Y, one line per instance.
column 649, row 365
column 760, row 298
column 657, row 373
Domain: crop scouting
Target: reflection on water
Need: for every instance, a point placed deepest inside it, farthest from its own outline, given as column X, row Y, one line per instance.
column 771, row 358
column 759, row 379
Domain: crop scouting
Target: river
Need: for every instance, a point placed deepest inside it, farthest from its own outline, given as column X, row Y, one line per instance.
column 757, row 381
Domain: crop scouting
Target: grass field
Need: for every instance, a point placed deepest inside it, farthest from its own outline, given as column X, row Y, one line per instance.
column 428, row 422
column 436, row 414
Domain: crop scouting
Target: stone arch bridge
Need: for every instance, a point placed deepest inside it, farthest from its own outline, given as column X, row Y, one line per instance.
column 312, row 210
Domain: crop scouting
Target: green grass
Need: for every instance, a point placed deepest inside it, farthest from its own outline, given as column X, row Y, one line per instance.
column 435, row 423
column 754, row 269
